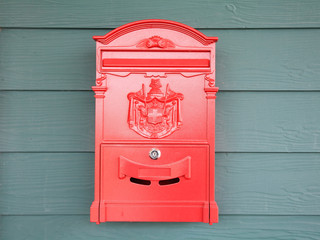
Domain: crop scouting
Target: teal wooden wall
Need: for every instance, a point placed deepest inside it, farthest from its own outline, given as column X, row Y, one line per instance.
column 268, row 117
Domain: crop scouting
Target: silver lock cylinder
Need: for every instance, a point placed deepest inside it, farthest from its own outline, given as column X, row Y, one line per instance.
column 154, row 154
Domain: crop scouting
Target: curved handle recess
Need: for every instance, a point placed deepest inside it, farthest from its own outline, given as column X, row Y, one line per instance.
column 176, row 169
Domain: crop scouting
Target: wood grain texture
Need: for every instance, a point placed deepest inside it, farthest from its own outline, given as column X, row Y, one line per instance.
column 268, row 142
column 44, row 183
column 38, row 59
column 49, row 121
column 268, row 122
column 46, row 121
column 201, row 13
column 229, row 227
column 47, row 59
column 246, row 183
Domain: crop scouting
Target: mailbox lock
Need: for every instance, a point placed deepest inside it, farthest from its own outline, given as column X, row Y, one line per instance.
column 154, row 154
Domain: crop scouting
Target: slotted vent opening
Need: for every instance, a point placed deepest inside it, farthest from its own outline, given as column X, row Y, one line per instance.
column 169, row 181
column 140, row 181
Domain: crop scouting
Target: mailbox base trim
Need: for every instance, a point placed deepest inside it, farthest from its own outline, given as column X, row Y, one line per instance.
column 155, row 212
column 170, row 212
column 94, row 212
column 214, row 213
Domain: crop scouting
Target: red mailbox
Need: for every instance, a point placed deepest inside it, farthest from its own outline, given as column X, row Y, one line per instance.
column 155, row 123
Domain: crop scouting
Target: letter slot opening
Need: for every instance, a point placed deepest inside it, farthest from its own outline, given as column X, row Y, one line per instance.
column 140, row 181
column 169, row 181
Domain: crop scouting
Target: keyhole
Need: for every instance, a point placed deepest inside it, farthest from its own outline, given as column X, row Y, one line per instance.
column 154, row 154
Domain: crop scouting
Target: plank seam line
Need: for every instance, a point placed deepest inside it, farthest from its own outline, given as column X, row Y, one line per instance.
column 253, row 215
column 222, row 152
column 221, row 90
column 200, row 28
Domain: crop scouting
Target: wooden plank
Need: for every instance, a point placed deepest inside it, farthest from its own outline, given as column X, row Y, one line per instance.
column 229, row 227
column 268, row 183
column 268, row 122
column 246, row 183
column 246, row 121
column 46, row 59
column 46, row 183
column 268, row 59
column 204, row 14
column 46, row 121
column 33, row 59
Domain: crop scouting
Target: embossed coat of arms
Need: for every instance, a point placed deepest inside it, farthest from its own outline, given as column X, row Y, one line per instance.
column 155, row 114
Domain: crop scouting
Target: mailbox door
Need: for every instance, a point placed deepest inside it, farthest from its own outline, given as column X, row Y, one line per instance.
column 173, row 187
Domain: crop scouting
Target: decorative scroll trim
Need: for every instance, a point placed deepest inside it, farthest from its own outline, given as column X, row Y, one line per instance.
column 154, row 74
column 156, row 41
column 210, row 79
column 100, row 80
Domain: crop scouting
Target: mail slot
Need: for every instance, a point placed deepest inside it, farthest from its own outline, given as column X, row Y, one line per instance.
column 155, row 124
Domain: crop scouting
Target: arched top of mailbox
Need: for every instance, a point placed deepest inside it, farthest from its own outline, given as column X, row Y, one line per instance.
column 155, row 23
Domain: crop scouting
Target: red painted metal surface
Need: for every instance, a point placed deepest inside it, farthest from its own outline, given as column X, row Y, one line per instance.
column 155, row 122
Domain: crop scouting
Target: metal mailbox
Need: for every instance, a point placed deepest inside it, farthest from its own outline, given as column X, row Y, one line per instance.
column 155, row 124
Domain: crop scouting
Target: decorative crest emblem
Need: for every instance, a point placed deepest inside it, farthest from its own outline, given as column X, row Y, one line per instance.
column 155, row 114
column 156, row 42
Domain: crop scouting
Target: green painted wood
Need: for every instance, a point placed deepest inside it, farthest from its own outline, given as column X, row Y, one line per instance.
column 47, row 59
column 58, row 186
column 46, row 121
column 246, row 121
column 229, row 227
column 46, row 183
column 204, row 14
column 268, row 122
column 268, row 183
column 33, row 59
column 246, row 183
